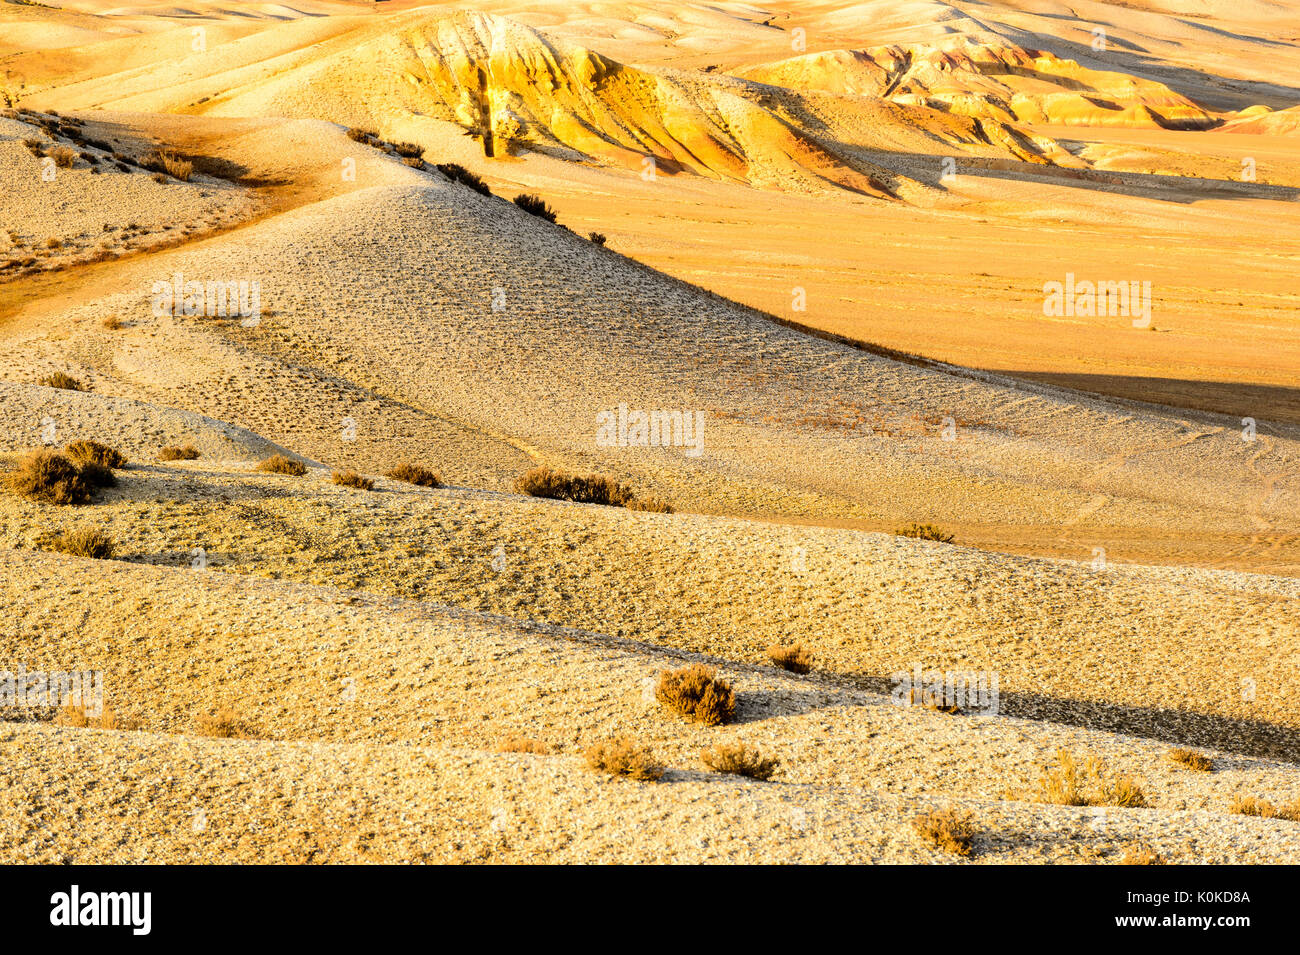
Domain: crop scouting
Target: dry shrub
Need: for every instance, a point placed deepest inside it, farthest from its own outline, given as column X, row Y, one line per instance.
column 696, row 693
column 113, row 323
column 96, row 475
column 184, row 452
column 1141, row 855
column 223, row 724
column 458, row 173
column 740, row 760
column 279, row 464
column 650, row 502
column 414, row 474
column 62, row 380
column 413, row 161
column 1124, row 792
column 1073, row 783
column 1064, row 786
column 409, row 150
column 49, row 477
column 1251, row 806
column 86, row 542
column 925, row 532
column 947, row 829
column 63, row 156
column 523, row 744
column 535, row 206
column 622, row 757
column 83, row 450
column 792, row 657
column 583, row 489
column 358, row 135
column 1190, row 759
column 352, row 479
column 168, row 161
column 597, row 238
column 74, row 715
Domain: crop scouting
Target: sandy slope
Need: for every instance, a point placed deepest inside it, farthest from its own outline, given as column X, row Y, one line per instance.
column 1149, row 651
column 407, row 343
column 381, row 746
column 34, row 413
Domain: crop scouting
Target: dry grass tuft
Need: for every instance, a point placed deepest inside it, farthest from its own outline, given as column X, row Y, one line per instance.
column 1125, row 792
column 83, row 450
column 184, row 452
column 1073, row 783
column 49, row 477
column 1141, row 855
column 74, row 715
column 223, row 724
column 740, row 760
column 113, row 323
column 62, row 380
column 279, row 464
column 622, row 757
column 63, row 156
column 352, row 479
column 925, row 532
column 523, row 744
column 1251, row 806
column 696, row 693
column 1190, row 759
column 948, row 830
column 168, row 161
column 86, row 542
column 414, row 474
column 792, row 657
column 597, row 238
column 1064, row 785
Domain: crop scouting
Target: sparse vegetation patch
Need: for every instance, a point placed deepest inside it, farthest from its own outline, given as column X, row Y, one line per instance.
column 696, row 693
column 622, row 757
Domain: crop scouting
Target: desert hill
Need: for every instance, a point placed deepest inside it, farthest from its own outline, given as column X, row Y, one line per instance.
column 323, row 667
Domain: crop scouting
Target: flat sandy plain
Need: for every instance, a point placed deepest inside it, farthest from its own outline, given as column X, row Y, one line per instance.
column 828, row 231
